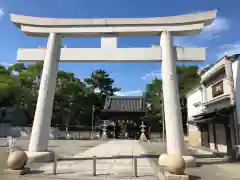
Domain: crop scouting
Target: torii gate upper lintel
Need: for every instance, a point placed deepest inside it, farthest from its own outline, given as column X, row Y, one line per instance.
column 109, row 29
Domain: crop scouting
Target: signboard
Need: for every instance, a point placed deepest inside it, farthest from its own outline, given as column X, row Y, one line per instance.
column 217, row 89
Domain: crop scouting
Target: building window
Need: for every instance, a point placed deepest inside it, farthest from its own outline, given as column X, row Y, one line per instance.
column 217, row 89
column 218, row 76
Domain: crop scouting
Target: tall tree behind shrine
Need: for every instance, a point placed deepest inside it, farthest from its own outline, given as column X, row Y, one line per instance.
column 101, row 86
column 73, row 100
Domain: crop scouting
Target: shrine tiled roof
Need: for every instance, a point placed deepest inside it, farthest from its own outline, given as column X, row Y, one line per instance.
column 124, row 104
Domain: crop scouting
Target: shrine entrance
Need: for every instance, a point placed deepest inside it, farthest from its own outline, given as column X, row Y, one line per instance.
column 109, row 29
column 124, row 115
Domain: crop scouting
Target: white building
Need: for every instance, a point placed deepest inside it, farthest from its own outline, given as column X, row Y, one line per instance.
column 212, row 120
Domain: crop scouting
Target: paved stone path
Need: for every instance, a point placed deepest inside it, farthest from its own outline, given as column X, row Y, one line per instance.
column 106, row 169
column 65, row 148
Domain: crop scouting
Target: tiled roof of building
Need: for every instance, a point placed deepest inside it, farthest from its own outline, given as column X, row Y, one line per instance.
column 124, row 104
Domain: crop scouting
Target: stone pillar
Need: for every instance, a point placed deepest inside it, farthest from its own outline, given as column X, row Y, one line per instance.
column 43, row 113
column 172, row 108
column 174, row 130
column 109, row 41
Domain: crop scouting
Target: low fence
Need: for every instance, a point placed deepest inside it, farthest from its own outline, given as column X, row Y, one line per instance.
column 85, row 133
column 24, row 131
column 95, row 158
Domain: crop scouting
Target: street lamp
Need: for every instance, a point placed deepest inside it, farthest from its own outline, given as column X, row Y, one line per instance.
column 93, row 111
column 163, row 118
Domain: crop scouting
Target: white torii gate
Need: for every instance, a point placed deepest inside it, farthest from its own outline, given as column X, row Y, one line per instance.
column 109, row 29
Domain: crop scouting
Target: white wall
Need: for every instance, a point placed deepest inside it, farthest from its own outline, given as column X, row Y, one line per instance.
column 218, row 105
column 192, row 98
column 234, row 69
column 236, row 78
column 8, row 130
column 226, row 89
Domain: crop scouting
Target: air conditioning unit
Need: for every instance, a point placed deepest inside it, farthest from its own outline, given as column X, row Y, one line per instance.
column 203, row 110
column 197, row 104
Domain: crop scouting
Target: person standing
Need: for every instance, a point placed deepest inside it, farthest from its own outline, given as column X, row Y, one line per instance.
column 149, row 132
column 126, row 129
column 117, row 130
column 135, row 129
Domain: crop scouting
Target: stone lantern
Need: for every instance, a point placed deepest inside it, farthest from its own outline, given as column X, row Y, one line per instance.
column 142, row 138
column 104, row 131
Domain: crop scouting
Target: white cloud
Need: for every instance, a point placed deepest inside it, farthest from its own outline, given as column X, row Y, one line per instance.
column 6, row 64
column 125, row 93
column 129, row 93
column 213, row 31
column 152, row 75
column 183, row 41
column 1, row 12
column 228, row 49
column 219, row 25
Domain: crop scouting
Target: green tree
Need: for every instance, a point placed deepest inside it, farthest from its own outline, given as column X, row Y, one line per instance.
column 101, row 83
column 69, row 100
column 19, row 86
column 154, row 97
column 9, row 93
column 101, row 86
column 29, row 79
column 187, row 79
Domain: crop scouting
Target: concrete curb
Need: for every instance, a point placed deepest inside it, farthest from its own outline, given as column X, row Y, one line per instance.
column 157, row 169
column 200, row 151
column 161, row 176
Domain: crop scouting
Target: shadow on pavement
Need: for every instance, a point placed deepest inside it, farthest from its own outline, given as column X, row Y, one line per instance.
column 213, row 162
column 199, row 156
column 193, row 177
column 36, row 172
column 52, row 146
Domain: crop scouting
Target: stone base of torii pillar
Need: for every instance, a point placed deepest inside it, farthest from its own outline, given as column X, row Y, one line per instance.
column 190, row 161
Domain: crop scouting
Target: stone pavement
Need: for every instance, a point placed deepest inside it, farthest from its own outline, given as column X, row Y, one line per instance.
column 66, row 148
column 231, row 168
column 106, row 169
column 209, row 167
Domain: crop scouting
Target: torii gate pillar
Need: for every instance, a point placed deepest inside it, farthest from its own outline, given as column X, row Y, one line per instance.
column 172, row 107
column 109, row 29
column 43, row 113
column 174, row 134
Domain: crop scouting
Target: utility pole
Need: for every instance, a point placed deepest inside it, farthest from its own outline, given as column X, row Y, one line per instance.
column 93, row 111
column 163, row 118
column 160, row 94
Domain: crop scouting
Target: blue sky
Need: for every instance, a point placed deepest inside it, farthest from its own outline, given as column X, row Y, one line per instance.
column 221, row 38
